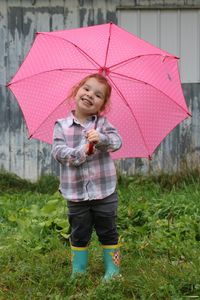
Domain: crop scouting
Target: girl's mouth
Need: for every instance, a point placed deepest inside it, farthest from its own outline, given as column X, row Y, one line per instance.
column 86, row 101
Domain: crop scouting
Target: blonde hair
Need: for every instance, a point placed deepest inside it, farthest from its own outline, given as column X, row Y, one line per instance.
column 101, row 79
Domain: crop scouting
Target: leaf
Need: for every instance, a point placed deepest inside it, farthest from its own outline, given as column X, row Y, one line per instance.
column 50, row 207
column 12, row 218
column 62, row 223
column 66, row 236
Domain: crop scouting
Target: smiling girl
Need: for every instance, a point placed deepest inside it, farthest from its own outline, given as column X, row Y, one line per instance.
column 88, row 175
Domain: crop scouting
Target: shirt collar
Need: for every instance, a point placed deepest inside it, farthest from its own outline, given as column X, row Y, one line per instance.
column 72, row 119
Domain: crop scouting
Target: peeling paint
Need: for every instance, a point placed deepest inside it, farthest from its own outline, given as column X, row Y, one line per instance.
column 111, row 17
column 26, row 26
column 82, row 14
column 100, row 17
column 2, row 156
column 15, row 21
column 90, row 20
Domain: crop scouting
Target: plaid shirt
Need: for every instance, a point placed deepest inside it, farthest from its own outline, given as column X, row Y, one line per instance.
column 82, row 176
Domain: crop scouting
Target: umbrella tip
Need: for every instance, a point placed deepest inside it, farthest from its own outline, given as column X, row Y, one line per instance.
column 149, row 157
column 104, row 71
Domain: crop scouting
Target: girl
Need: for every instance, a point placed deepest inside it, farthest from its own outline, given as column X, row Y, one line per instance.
column 82, row 144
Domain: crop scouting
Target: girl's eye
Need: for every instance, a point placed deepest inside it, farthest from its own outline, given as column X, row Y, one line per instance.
column 86, row 89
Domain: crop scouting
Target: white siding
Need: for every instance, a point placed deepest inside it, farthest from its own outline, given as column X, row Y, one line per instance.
column 174, row 30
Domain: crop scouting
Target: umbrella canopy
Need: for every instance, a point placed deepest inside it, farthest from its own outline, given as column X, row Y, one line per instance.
column 147, row 100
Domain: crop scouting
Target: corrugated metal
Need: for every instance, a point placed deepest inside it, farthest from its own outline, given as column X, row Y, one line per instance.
column 175, row 30
column 20, row 19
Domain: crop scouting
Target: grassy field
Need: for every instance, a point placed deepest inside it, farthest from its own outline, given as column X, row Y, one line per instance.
column 159, row 225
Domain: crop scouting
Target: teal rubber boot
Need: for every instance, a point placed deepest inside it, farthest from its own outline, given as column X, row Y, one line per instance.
column 79, row 260
column 111, row 255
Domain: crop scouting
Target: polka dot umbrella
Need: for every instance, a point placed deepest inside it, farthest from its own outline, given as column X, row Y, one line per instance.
column 147, row 101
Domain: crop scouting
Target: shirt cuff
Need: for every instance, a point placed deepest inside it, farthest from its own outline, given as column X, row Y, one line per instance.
column 104, row 140
column 80, row 157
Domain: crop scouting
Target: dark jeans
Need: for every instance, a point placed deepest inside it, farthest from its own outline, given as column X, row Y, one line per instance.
column 98, row 214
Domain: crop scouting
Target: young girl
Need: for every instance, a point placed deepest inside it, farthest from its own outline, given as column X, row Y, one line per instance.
column 82, row 144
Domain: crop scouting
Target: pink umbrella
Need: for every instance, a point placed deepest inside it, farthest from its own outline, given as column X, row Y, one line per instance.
column 147, row 99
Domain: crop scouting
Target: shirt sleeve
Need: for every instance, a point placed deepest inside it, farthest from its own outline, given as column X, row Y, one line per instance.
column 110, row 140
column 64, row 154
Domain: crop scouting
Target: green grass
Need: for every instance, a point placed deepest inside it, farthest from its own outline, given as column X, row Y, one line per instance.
column 159, row 225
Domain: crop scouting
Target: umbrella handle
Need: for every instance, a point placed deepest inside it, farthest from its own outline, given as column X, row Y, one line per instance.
column 91, row 145
column 90, row 149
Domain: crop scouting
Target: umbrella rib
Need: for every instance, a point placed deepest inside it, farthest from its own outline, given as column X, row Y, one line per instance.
column 144, row 82
column 63, row 69
column 125, row 61
column 31, row 135
column 108, row 44
column 76, row 46
column 136, row 57
column 124, row 99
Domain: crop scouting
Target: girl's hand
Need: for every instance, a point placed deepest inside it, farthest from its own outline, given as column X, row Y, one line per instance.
column 93, row 136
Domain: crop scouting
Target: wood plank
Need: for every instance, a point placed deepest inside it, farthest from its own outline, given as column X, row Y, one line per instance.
column 4, row 102
column 71, row 14
column 15, row 57
column 43, row 23
column 30, row 146
column 57, row 13
column 189, row 46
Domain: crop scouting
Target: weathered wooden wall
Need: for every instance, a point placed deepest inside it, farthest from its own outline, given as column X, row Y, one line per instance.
column 19, row 20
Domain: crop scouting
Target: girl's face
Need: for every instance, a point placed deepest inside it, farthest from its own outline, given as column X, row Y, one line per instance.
column 90, row 97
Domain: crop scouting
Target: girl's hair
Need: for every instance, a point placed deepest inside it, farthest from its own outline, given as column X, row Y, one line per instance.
column 101, row 79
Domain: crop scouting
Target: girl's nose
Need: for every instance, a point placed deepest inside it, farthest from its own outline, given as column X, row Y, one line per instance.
column 90, row 94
